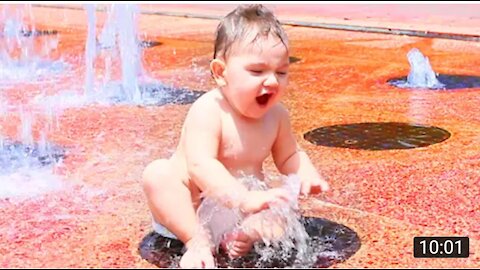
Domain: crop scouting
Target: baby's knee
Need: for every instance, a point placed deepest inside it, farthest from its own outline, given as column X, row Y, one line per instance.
column 153, row 173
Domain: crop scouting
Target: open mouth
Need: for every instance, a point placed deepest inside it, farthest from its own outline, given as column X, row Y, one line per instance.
column 263, row 99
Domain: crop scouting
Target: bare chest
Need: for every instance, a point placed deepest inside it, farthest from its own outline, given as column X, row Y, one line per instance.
column 246, row 144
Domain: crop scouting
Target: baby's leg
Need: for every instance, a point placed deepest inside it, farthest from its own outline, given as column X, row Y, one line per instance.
column 170, row 198
column 173, row 200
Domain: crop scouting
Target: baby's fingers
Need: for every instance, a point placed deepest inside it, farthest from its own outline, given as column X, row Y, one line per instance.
column 208, row 262
column 324, row 185
column 197, row 259
column 279, row 195
column 305, row 189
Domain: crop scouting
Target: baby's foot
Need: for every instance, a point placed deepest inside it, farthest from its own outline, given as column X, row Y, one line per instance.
column 237, row 244
column 266, row 226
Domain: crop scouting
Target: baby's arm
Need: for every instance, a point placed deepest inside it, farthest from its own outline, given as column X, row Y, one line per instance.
column 202, row 140
column 289, row 159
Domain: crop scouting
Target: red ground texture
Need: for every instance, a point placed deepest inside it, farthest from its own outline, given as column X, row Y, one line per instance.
column 388, row 197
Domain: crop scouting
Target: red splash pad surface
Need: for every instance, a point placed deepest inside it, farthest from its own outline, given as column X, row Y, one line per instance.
column 387, row 197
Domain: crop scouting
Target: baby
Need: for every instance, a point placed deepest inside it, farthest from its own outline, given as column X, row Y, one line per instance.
column 228, row 133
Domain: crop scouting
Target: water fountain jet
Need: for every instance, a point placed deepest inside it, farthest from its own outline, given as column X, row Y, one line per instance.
column 422, row 76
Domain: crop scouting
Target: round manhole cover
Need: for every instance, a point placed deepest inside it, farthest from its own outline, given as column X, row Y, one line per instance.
column 162, row 95
column 149, row 43
column 449, row 82
column 331, row 243
column 294, row 59
column 37, row 32
column 15, row 155
column 377, row 136
column 26, row 169
column 152, row 94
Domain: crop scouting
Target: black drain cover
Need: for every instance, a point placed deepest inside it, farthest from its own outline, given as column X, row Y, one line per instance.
column 450, row 82
column 169, row 95
column 14, row 155
column 153, row 94
column 332, row 241
column 294, row 59
column 36, row 33
column 377, row 136
column 149, row 43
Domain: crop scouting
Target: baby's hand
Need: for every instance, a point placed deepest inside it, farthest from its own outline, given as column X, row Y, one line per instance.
column 198, row 255
column 197, row 258
column 313, row 185
column 258, row 200
column 266, row 226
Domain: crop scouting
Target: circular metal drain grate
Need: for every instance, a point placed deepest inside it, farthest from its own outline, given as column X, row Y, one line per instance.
column 294, row 59
column 451, row 82
column 169, row 95
column 149, row 43
column 15, row 155
column 377, row 136
column 152, row 95
column 36, row 33
column 332, row 243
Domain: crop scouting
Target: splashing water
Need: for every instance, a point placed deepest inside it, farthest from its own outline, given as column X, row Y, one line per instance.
column 22, row 57
column 90, row 50
column 293, row 237
column 119, row 35
column 26, row 166
column 27, row 183
column 421, row 73
column 123, row 80
column 129, row 51
column 283, row 234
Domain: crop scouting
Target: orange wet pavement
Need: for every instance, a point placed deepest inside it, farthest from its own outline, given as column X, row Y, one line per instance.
column 387, row 197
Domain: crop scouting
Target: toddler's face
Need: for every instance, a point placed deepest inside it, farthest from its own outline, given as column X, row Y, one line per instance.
column 256, row 75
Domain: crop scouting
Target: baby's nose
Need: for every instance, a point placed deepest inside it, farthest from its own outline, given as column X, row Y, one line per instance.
column 271, row 81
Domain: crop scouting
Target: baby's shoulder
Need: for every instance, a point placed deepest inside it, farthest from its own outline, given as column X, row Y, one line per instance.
column 279, row 111
column 207, row 100
column 205, row 106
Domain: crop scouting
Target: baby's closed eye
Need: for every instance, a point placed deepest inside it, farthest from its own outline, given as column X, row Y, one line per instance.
column 256, row 71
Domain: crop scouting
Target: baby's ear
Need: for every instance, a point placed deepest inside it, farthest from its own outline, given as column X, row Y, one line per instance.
column 217, row 67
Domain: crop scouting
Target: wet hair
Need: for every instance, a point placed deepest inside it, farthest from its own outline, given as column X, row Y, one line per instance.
column 242, row 21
